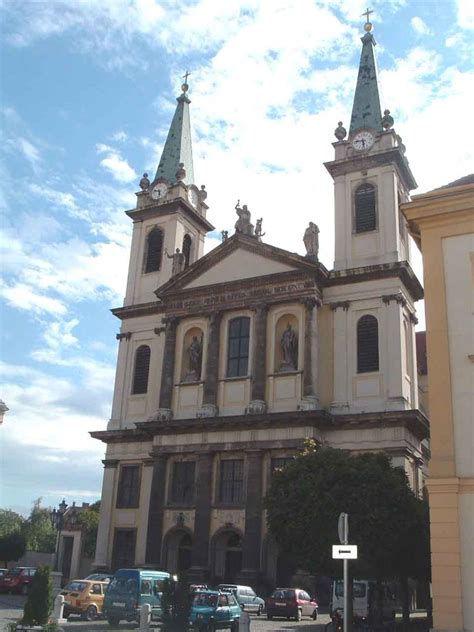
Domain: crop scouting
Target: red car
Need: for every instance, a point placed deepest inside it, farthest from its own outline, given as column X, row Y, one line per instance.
column 291, row 602
column 17, row 579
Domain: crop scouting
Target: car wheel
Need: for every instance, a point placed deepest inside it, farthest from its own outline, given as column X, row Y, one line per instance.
column 259, row 611
column 24, row 589
column 113, row 621
column 299, row 615
column 90, row 614
column 315, row 614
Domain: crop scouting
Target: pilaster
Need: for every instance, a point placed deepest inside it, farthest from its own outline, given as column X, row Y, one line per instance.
column 259, row 369
column 251, row 543
column 167, row 371
column 340, row 403
column 209, row 407
column 106, row 513
column 155, row 513
column 203, row 500
column 120, row 388
column 394, row 368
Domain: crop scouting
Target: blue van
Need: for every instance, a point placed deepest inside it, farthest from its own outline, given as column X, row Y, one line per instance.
column 129, row 589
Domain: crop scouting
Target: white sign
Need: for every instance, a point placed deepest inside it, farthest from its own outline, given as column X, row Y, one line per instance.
column 344, row 551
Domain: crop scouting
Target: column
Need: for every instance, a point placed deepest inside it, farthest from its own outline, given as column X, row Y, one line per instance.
column 167, row 369
column 259, row 356
column 198, row 573
column 155, row 513
column 342, row 369
column 251, row 543
column 211, row 379
column 106, row 515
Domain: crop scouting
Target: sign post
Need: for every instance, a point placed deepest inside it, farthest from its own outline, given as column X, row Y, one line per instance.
column 345, row 552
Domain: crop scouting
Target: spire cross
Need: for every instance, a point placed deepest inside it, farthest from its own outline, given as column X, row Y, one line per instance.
column 185, row 77
column 367, row 13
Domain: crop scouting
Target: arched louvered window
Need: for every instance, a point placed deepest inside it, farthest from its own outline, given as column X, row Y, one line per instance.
column 367, row 344
column 238, row 347
column 187, row 241
column 142, row 367
column 154, row 247
column 365, row 208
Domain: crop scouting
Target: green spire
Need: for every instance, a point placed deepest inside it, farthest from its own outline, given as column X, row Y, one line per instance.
column 178, row 147
column 366, row 110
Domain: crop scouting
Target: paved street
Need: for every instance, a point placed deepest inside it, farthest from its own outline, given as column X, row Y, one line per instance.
column 11, row 609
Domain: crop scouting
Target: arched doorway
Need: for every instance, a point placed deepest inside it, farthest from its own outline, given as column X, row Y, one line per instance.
column 177, row 547
column 227, row 555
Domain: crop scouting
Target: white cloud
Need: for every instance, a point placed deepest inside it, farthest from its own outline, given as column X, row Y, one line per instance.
column 119, row 136
column 117, row 166
column 420, row 27
column 465, row 14
column 21, row 296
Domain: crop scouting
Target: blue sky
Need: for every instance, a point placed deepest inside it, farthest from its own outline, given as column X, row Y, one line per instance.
column 87, row 96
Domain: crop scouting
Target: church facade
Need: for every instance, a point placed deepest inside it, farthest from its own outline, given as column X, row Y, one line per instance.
column 228, row 361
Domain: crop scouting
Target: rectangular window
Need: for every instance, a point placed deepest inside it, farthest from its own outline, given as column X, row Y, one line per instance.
column 182, row 488
column 123, row 554
column 231, row 485
column 128, row 493
column 238, row 347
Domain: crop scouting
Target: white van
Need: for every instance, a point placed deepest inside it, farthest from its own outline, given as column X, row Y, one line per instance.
column 364, row 599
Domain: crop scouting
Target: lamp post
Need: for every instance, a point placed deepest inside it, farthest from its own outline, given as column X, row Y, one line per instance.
column 57, row 520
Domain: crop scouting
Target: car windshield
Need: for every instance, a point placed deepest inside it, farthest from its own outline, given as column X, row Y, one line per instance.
column 205, row 599
column 75, row 586
column 283, row 594
column 358, row 589
column 16, row 571
column 123, row 586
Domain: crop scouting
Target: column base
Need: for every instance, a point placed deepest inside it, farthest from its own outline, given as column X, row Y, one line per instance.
column 256, row 407
column 162, row 414
column 310, row 402
column 207, row 410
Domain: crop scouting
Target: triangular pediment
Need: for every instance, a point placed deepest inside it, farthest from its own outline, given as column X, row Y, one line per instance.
column 237, row 259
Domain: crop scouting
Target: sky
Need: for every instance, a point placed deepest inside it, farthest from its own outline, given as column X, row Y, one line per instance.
column 87, row 96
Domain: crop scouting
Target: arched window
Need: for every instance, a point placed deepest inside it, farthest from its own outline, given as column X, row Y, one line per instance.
column 154, row 247
column 367, row 344
column 365, row 208
column 238, row 347
column 142, row 367
column 187, row 241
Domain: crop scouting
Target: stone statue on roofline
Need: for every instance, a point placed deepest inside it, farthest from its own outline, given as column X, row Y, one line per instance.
column 311, row 241
column 178, row 263
column 243, row 224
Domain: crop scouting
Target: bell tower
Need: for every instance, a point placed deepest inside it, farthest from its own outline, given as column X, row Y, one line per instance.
column 371, row 176
column 169, row 221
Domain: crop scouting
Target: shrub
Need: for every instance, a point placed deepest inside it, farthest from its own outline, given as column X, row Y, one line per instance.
column 40, row 599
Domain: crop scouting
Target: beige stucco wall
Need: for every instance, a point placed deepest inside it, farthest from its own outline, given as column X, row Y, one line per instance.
column 443, row 222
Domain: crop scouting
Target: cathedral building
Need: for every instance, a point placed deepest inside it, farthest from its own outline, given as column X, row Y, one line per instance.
column 228, row 361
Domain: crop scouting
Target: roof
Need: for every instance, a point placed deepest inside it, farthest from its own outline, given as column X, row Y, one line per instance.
column 421, row 357
column 469, row 179
column 366, row 111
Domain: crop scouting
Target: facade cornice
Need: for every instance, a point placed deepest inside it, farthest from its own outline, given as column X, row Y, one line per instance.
column 170, row 207
column 372, row 160
column 401, row 269
column 141, row 309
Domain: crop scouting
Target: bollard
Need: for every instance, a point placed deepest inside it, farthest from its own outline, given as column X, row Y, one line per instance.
column 145, row 617
column 57, row 616
column 244, row 622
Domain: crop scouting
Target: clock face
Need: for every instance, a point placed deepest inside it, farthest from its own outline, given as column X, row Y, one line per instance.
column 363, row 140
column 193, row 197
column 159, row 191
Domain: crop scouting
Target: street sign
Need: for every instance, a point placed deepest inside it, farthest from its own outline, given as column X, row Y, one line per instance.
column 343, row 528
column 344, row 551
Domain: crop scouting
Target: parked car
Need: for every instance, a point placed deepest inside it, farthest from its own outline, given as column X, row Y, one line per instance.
column 129, row 589
column 212, row 610
column 364, row 599
column 246, row 596
column 84, row 597
column 17, row 579
column 99, row 577
column 291, row 602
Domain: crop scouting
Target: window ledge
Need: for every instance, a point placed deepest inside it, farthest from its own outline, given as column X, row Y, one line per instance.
column 281, row 373
column 238, row 378
column 183, row 383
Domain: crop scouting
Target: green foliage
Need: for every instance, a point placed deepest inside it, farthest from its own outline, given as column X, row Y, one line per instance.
column 40, row 598
column 175, row 605
column 307, row 496
column 39, row 533
column 89, row 519
column 12, row 547
column 9, row 522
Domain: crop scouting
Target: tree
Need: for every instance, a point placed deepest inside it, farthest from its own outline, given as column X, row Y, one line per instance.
column 10, row 522
column 39, row 604
column 12, row 547
column 307, row 496
column 38, row 530
column 89, row 520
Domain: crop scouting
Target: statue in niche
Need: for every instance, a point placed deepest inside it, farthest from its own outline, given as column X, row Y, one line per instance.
column 179, row 261
column 311, row 240
column 289, row 348
column 195, row 360
column 243, row 225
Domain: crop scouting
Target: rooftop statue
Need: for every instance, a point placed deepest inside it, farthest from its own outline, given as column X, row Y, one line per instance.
column 311, row 240
column 178, row 263
column 243, row 225
column 144, row 182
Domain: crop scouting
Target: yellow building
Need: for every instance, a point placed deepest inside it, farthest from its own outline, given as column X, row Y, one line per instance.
column 442, row 223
